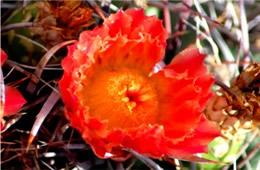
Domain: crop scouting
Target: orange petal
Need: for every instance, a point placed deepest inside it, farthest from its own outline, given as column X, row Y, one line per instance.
column 183, row 92
column 205, row 132
column 190, row 60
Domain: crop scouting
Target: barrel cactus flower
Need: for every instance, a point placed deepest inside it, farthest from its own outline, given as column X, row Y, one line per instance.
column 118, row 102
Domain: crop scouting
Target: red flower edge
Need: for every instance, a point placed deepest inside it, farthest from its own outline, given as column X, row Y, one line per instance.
column 14, row 100
column 3, row 57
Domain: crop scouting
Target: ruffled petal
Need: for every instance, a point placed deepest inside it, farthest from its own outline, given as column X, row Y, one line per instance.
column 191, row 61
column 183, row 92
column 205, row 132
column 65, row 84
column 137, row 42
column 112, row 100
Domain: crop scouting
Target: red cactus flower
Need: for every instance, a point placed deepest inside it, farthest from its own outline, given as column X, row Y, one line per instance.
column 117, row 103
column 13, row 100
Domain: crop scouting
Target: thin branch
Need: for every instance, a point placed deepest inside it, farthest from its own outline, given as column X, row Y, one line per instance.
column 18, row 25
column 224, row 87
column 249, row 156
column 42, row 63
column 105, row 5
column 47, row 165
column 180, row 8
column 245, row 146
column 149, row 162
column 167, row 17
column 34, row 67
column 208, row 30
column 238, row 59
column 31, row 41
column 244, row 29
column 11, row 158
column 227, row 32
column 255, row 22
column 28, row 74
column 220, row 41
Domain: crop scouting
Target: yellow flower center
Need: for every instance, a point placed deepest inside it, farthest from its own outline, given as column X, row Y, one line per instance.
column 125, row 98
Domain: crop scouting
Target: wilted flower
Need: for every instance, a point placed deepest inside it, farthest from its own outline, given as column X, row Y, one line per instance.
column 115, row 99
column 61, row 20
column 237, row 110
column 13, row 99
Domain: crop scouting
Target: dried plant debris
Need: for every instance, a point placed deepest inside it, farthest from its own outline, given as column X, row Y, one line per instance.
column 239, row 108
column 61, row 20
